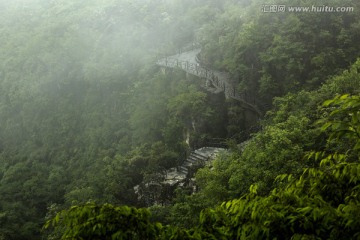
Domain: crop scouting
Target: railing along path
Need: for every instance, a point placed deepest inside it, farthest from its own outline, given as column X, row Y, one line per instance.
column 217, row 79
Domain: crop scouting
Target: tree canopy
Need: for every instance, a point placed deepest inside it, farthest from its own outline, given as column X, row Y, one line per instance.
column 87, row 117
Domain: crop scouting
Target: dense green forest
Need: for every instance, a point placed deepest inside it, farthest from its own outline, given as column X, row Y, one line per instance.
column 86, row 116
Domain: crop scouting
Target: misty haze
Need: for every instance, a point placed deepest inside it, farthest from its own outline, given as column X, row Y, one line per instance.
column 179, row 119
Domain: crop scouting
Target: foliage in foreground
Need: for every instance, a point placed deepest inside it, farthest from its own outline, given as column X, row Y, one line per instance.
column 91, row 221
column 324, row 203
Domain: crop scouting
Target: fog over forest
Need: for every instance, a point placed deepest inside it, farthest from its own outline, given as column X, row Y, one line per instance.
column 181, row 119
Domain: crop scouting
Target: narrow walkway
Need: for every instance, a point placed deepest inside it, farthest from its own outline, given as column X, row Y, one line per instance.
column 197, row 158
column 187, row 61
column 152, row 192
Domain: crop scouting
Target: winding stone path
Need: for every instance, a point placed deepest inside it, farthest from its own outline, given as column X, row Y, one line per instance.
column 151, row 192
column 199, row 157
column 216, row 81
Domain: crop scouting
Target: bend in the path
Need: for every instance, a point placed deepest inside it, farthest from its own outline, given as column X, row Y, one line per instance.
column 187, row 61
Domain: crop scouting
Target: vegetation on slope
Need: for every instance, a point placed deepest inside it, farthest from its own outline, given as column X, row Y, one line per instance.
column 322, row 203
column 86, row 115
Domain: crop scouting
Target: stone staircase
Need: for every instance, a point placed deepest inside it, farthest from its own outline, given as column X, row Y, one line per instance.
column 197, row 159
column 153, row 192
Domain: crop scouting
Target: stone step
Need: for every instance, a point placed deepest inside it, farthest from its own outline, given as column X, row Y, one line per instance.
column 183, row 173
column 192, row 162
column 187, row 163
column 200, row 156
column 183, row 169
column 192, row 159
